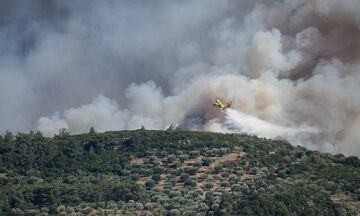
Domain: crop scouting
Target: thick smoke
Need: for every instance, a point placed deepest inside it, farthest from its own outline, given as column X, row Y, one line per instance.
column 291, row 67
column 247, row 124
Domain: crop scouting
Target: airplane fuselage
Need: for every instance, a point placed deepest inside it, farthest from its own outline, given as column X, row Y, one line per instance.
column 220, row 105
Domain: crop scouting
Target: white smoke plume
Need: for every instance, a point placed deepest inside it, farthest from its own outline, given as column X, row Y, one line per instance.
column 242, row 123
column 291, row 67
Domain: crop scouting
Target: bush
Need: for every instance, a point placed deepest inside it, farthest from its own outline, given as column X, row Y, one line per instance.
column 209, row 185
column 177, row 171
column 175, row 194
column 168, row 185
column 135, row 176
column 87, row 210
column 174, row 212
column 218, row 168
column 150, row 183
column 146, row 172
column 352, row 161
column 149, row 206
column 156, row 177
column 207, row 161
column 203, row 176
column 194, row 195
column 239, row 173
column 61, row 208
column 184, row 191
column 171, row 158
column 163, row 154
column 183, row 158
column 224, row 184
column 225, row 174
column 236, row 187
column 199, row 191
column 238, row 148
column 197, row 164
column 184, row 177
column 177, row 164
column 194, row 153
column 224, row 151
column 139, row 206
column 172, row 180
column 158, row 170
column 190, row 183
column 193, row 170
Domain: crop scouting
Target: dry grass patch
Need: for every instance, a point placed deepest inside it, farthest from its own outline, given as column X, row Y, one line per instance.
column 137, row 161
column 227, row 158
column 347, row 201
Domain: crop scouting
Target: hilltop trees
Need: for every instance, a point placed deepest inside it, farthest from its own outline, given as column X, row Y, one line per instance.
column 170, row 172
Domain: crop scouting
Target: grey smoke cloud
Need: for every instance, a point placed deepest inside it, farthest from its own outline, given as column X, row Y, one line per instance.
column 115, row 65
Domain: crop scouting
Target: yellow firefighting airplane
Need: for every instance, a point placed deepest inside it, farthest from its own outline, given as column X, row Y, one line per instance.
column 222, row 106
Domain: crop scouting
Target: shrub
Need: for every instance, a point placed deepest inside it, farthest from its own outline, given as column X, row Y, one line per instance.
column 239, row 173
column 135, row 176
column 236, row 187
column 61, row 208
column 175, row 194
column 139, row 206
column 209, row 185
column 218, row 168
column 150, row 183
column 184, row 191
column 146, row 172
column 163, row 154
column 207, row 161
column 171, row 158
column 168, row 185
column 210, row 180
column 190, row 183
column 174, row 212
column 224, row 184
column 177, row 164
column 172, row 180
column 184, row 177
column 352, row 161
column 178, row 152
column 149, row 206
column 158, row 170
column 156, row 177
column 194, row 195
column 193, row 170
column 177, row 171
column 183, row 158
column 194, row 153
column 238, row 148
column 224, row 150
column 87, row 210
column 225, row 174
column 197, row 164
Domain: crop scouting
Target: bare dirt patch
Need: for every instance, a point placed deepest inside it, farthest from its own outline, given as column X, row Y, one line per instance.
column 347, row 201
column 228, row 157
column 137, row 161
column 246, row 176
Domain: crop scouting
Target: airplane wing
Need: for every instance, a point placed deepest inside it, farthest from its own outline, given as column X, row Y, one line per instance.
column 222, row 106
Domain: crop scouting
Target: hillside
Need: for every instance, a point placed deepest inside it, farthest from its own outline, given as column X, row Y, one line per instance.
column 172, row 172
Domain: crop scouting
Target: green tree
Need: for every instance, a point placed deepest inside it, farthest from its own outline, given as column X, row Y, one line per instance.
column 150, row 183
column 156, row 178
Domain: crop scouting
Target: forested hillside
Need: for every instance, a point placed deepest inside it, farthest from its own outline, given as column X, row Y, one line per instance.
column 172, row 172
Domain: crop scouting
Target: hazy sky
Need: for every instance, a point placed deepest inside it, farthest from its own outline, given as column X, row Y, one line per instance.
column 121, row 64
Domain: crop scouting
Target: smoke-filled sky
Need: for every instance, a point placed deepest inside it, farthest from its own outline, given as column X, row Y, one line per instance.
column 290, row 67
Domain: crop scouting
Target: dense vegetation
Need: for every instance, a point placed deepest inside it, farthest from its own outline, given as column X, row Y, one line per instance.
column 172, row 172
